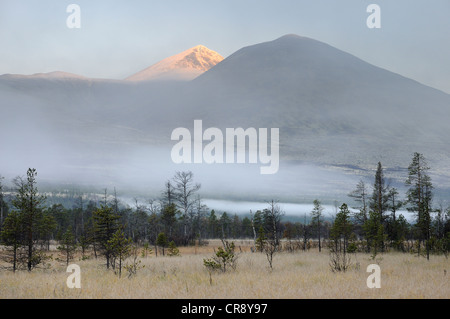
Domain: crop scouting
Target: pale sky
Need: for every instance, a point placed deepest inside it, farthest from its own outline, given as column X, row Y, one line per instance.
column 120, row 38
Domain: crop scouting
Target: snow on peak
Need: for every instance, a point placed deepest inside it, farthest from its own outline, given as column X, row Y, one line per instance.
column 183, row 66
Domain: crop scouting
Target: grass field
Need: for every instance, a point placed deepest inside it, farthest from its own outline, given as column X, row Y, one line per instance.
column 294, row 275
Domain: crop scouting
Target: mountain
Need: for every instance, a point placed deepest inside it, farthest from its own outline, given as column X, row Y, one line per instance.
column 183, row 66
column 334, row 111
column 56, row 75
column 331, row 107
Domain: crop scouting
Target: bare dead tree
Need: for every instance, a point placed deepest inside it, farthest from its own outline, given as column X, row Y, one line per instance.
column 272, row 221
column 185, row 191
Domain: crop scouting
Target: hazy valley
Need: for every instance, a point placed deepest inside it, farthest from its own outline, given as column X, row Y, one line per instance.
column 338, row 116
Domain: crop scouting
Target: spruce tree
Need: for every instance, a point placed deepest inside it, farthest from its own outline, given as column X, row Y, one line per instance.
column 29, row 204
column 361, row 196
column 379, row 204
column 105, row 224
column 379, row 199
column 419, row 198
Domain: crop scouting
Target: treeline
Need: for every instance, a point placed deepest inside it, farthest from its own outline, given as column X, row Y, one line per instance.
column 379, row 225
column 179, row 217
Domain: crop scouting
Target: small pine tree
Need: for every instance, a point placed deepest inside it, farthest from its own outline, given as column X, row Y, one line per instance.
column 146, row 250
column 85, row 241
column 212, row 266
column 374, row 232
column 340, row 234
column 47, row 226
column 266, row 245
column 134, row 265
column 261, row 240
column 120, row 247
column 161, row 241
column 11, row 238
column 173, row 249
column 224, row 257
column 68, row 246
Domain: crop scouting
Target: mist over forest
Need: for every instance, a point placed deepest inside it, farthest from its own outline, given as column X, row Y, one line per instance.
column 338, row 117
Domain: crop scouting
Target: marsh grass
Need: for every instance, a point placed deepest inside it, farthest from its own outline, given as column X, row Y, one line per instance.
column 294, row 275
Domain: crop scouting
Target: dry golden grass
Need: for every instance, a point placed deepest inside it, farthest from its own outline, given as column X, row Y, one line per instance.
column 294, row 275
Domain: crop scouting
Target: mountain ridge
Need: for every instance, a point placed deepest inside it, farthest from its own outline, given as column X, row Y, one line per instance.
column 47, row 75
column 332, row 108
